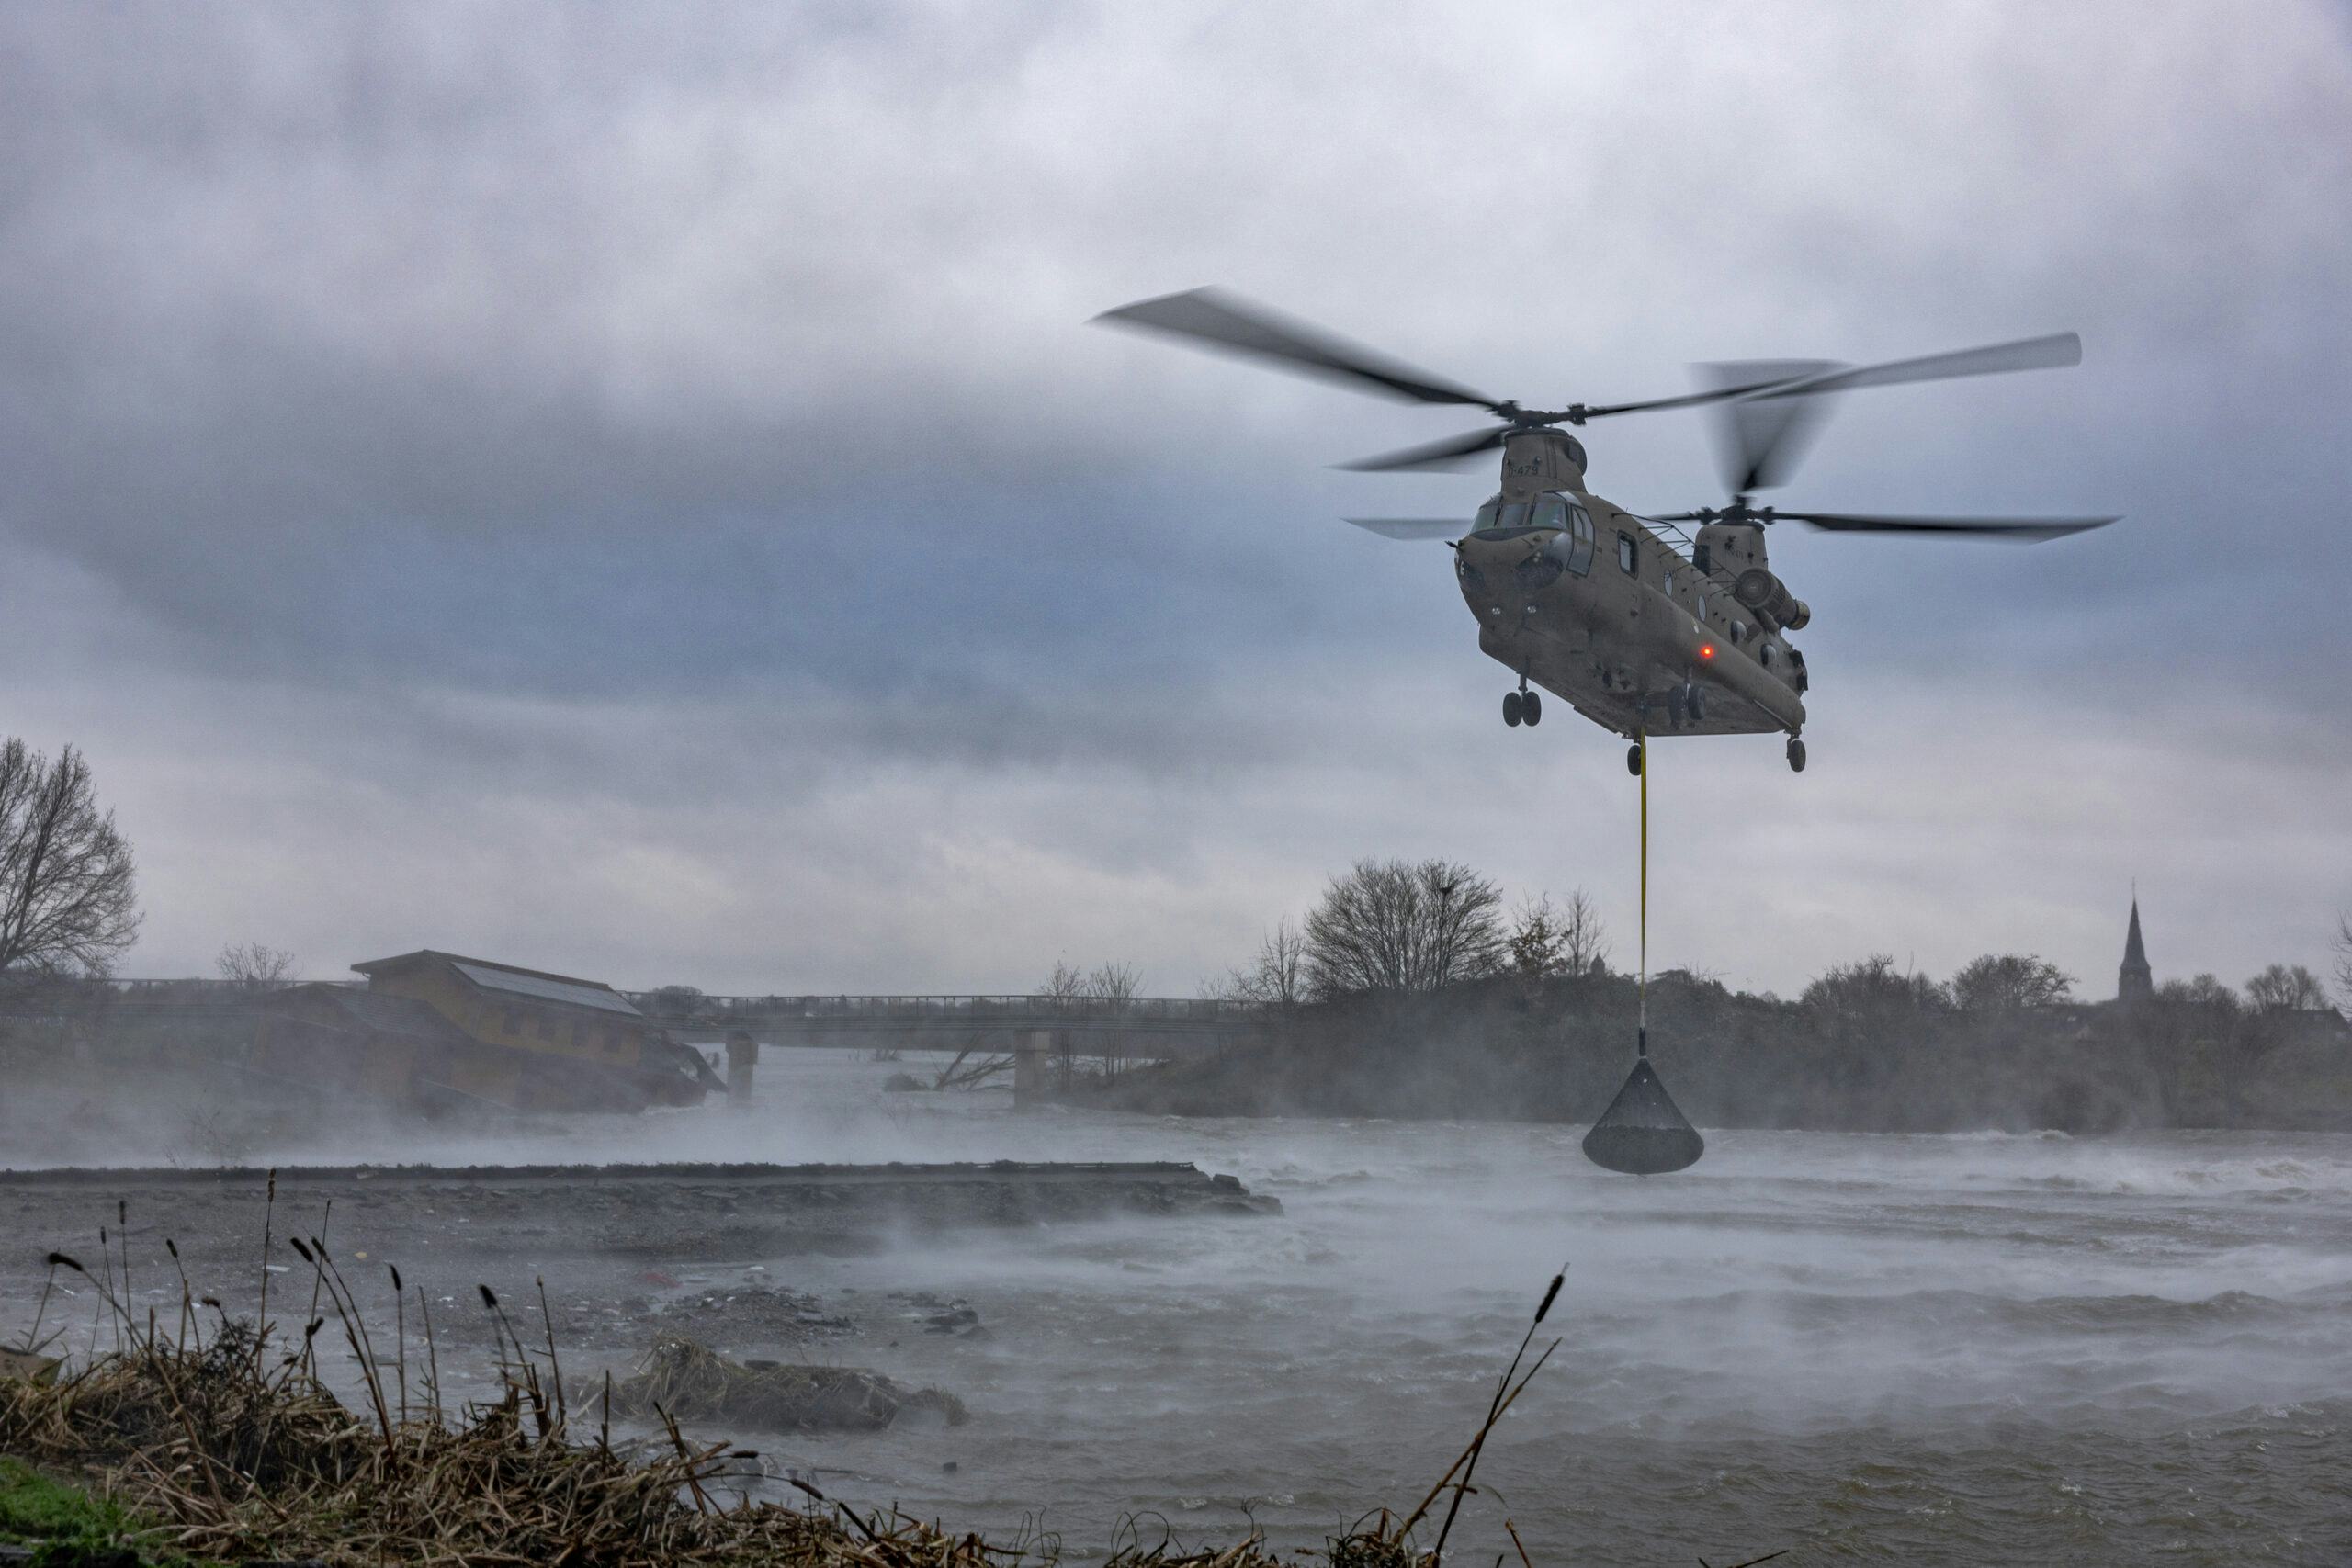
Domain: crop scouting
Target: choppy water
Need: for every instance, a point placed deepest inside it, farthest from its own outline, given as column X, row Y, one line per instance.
column 1923, row 1349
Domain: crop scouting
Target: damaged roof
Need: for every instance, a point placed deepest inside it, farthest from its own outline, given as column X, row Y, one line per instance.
column 506, row 978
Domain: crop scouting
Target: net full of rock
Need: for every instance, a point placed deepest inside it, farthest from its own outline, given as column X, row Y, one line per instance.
column 1644, row 1132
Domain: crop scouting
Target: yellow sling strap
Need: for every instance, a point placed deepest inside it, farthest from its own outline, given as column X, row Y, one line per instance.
column 1642, row 744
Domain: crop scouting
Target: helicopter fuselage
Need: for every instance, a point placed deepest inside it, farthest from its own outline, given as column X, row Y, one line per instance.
column 1575, row 596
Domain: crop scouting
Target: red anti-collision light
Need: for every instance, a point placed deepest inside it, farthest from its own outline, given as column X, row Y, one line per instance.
column 1706, row 650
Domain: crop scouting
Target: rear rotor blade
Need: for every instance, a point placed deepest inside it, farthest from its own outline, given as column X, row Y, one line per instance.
column 1758, row 441
column 2026, row 530
column 1442, row 454
column 1227, row 321
column 2054, row 352
column 1414, row 528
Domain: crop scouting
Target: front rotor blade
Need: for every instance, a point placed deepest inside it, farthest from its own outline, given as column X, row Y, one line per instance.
column 1758, row 441
column 1688, row 399
column 1230, row 322
column 2052, row 353
column 1442, row 454
column 2026, row 530
column 1414, row 528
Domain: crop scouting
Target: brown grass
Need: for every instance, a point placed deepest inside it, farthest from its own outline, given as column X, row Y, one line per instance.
column 225, row 1437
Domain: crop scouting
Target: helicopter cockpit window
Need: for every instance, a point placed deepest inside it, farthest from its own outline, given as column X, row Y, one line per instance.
column 1513, row 515
column 1551, row 513
column 1486, row 515
column 1580, row 539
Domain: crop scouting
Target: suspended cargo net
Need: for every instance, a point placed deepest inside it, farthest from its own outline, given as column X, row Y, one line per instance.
column 1644, row 1132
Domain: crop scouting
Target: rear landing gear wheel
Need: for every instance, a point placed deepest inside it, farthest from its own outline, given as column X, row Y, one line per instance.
column 1633, row 761
column 1796, row 755
column 1531, row 708
column 1514, row 709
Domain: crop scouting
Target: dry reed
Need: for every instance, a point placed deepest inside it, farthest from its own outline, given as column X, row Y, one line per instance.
column 234, row 1447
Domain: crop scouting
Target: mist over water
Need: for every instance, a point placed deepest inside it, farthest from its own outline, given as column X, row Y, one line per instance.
column 1946, row 1349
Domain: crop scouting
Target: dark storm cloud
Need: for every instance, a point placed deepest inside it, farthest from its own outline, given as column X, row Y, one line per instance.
column 666, row 421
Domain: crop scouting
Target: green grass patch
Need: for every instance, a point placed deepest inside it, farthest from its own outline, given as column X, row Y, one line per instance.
column 66, row 1526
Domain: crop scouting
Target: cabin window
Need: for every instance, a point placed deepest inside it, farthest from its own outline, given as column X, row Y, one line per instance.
column 1764, row 656
column 1580, row 539
column 1625, row 554
column 1702, row 611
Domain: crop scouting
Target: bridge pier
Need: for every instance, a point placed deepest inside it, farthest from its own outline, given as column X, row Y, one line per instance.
column 742, row 1055
column 1032, row 1049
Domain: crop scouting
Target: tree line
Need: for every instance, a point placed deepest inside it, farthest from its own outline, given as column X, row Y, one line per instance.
column 1406, row 927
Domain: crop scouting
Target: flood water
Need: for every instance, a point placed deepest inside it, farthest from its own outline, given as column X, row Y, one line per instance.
column 1924, row 1350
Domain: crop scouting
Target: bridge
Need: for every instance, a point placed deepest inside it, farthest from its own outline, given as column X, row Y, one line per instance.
column 1127, row 1028
column 1152, row 1027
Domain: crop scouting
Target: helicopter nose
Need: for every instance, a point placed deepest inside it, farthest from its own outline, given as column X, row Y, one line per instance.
column 1502, row 577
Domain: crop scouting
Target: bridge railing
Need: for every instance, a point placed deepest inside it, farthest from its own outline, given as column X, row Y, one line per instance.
column 979, row 1010
column 675, row 1005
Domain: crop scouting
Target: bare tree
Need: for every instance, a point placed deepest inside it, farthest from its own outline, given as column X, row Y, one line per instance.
column 2343, row 946
column 2009, row 981
column 68, row 901
column 2285, row 988
column 1536, row 940
column 1275, row 976
column 1112, row 982
column 1550, row 938
column 1873, row 996
column 1391, row 925
column 2195, row 1026
column 251, row 964
column 675, row 1001
column 1584, row 941
column 1106, row 982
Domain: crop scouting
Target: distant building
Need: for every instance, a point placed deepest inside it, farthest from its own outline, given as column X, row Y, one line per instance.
column 2133, row 982
column 433, row 1030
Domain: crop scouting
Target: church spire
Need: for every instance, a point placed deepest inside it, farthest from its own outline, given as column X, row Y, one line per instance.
column 2134, row 981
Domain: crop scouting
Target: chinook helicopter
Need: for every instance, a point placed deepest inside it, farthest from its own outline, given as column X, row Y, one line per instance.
column 1602, row 606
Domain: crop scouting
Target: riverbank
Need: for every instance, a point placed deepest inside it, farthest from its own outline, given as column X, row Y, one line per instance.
column 225, row 1448
column 1897, row 1060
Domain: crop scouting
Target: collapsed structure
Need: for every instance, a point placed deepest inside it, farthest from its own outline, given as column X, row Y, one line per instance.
column 436, row 1031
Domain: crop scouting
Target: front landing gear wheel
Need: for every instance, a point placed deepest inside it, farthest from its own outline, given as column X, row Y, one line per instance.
column 1796, row 755
column 1531, row 708
column 1633, row 761
column 1514, row 709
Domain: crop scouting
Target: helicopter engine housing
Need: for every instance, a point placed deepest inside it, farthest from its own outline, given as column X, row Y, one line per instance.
column 1770, row 600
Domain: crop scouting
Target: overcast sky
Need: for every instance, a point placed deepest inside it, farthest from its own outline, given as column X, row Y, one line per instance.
column 631, row 491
